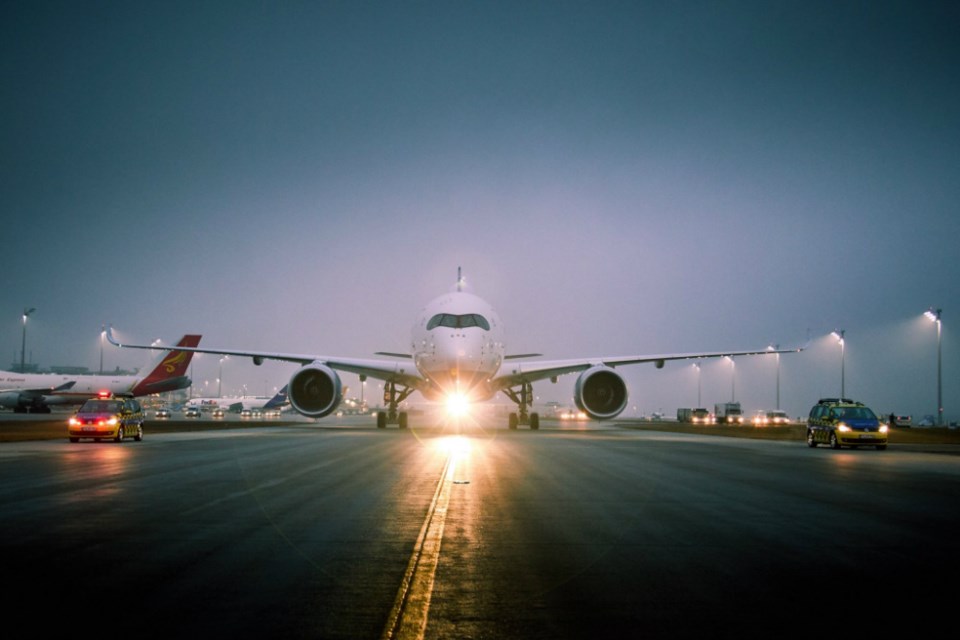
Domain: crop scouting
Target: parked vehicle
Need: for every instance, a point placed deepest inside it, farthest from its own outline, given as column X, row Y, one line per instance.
column 728, row 413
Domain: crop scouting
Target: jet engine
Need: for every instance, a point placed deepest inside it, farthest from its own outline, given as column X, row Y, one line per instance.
column 600, row 393
column 12, row 399
column 23, row 402
column 315, row 390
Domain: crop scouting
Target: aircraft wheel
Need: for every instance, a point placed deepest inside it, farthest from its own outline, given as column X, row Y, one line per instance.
column 402, row 420
column 381, row 420
column 534, row 421
column 512, row 422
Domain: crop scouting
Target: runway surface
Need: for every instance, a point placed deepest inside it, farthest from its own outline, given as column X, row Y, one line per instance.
column 345, row 531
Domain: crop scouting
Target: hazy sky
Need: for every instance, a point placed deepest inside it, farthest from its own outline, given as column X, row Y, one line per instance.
column 614, row 177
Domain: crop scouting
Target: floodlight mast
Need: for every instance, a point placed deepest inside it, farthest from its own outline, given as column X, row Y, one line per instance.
column 776, row 348
column 23, row 343
column 934, row 316
column 839, row 335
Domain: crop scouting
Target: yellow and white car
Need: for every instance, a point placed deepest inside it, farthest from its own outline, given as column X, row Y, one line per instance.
column 841, row 422
column 107, row 417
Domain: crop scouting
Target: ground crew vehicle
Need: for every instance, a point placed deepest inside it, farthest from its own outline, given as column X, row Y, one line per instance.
column 777, row 417
column 696, row 416
column 764, row 418
column 728, row 413
column 108, row 417
column 842, row 422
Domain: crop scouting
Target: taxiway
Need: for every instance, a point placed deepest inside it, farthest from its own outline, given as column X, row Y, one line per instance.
column 340, row 530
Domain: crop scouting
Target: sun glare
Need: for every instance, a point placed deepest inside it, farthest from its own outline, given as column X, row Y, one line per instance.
column 457, row 405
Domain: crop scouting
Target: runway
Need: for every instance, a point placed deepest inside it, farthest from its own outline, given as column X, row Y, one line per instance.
column 340, row 530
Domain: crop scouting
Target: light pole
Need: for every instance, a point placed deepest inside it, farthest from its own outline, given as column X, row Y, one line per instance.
column 220, row 377
column 696, row 365
column 839, row 334
column 103, row 333
column 23, row 343
column 934, row 315
column 776, row 348
column 733, row 379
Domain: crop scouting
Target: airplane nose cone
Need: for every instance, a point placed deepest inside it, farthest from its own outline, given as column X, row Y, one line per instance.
column 463, row 357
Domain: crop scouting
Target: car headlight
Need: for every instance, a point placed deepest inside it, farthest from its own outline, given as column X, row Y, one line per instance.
column 842, row 427
column 883, row 428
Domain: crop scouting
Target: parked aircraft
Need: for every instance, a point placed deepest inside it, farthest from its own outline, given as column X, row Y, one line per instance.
column 239, row 403
column 37, row 392
column 457, row 354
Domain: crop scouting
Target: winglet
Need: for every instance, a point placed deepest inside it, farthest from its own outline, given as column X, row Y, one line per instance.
column 109, row 333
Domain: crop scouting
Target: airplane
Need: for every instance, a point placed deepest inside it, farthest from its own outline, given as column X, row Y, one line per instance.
column 239, row 403
column 37, row 392
column 457, row 355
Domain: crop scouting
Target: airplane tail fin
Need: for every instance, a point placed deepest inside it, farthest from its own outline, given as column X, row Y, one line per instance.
column 170, row 373
column 278, row 400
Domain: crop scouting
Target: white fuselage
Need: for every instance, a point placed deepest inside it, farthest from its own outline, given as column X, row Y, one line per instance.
column 457, row 345
column 247, row 402
column 85, row 386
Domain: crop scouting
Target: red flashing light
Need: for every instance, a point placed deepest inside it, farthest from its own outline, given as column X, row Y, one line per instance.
column 103, row 394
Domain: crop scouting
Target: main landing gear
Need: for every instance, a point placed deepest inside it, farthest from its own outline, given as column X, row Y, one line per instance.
column 33, row 408
column 524, row 399
column 392, row 397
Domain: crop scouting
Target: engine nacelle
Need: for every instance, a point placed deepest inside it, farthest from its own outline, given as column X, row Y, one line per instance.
column 315, row 390
column 601, row 393
column 12, row 400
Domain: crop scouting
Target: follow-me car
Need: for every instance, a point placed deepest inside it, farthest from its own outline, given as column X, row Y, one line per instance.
column 107, row 417
column 843, row 422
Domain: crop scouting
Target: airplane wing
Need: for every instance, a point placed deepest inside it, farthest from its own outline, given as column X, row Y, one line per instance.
column 516, row 373
column 43, row 390
column 401, row 372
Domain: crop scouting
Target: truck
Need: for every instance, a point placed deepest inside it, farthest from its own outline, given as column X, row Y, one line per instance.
column 728, row 413
column 696, row 416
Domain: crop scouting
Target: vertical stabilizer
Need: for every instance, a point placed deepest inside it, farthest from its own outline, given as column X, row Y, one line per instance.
column 278, row 400
column 171, row 372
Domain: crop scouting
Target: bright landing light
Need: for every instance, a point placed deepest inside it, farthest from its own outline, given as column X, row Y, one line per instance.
column 457, row 405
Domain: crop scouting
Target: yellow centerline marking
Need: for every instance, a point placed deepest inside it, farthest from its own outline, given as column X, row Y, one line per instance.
column 408, row 617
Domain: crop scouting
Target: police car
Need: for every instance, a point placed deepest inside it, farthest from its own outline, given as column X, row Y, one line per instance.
column 107, row 417
column 841, row 422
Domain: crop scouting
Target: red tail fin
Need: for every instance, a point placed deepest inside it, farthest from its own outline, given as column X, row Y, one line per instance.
column 170, row 374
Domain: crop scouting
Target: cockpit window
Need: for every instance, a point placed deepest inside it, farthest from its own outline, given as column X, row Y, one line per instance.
column 458, row 322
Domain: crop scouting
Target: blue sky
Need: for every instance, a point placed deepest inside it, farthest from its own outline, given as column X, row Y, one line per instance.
column 614, row 177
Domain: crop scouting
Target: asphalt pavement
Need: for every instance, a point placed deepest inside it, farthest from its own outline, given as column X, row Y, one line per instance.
column 341, row 530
